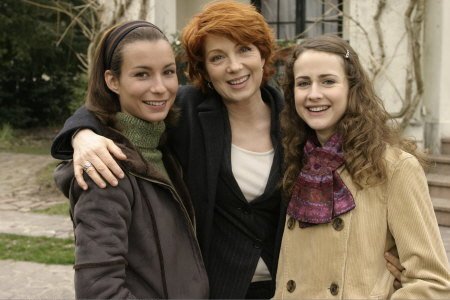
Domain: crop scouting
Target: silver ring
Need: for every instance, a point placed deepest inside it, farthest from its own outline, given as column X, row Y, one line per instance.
column 86, row 166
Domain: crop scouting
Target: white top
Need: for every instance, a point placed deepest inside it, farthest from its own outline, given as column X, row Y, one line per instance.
column 251, row 171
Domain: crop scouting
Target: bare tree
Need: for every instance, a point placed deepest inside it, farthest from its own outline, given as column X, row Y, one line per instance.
column 92, row 16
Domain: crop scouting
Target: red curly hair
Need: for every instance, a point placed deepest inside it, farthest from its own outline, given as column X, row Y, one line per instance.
column 239, row 22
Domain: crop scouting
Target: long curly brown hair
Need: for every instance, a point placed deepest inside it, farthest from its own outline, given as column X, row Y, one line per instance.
column 365, row 127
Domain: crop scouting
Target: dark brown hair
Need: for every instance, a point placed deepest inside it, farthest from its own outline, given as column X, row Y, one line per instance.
column 364, row 126
column 108, row 55
column 239, row 22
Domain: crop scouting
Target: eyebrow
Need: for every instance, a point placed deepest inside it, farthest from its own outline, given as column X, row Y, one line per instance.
column 147, row 68
column 214, row 50
column 320, row 76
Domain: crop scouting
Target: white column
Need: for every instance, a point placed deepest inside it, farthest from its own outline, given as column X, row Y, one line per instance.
column 165, row 16
column 437, row 73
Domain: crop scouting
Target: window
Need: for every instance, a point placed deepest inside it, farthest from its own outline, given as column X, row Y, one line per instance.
column 302, row 18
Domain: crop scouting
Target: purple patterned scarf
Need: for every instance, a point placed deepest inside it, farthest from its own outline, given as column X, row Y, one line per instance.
column 319, row 195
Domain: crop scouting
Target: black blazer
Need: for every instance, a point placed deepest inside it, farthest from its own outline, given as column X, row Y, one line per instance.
column 198, row 142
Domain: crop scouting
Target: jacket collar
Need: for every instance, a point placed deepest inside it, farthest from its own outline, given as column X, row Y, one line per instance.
column 211, row 115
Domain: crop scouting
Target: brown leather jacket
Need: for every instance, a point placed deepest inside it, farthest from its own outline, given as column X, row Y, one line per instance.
column 136, row 240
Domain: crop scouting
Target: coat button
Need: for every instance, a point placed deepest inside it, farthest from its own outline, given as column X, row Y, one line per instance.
column 290, row 286
column 338, row 224
column 291, row 223
column 334, row 289
column 244, row 210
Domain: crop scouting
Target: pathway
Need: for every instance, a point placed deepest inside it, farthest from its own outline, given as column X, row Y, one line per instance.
column 19, row 193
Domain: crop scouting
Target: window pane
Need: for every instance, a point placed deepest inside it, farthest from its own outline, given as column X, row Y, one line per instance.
column 322, row 17
column 313, row 9
column 331, row 27
column 313, row 29
column 269, row 10
column 287, row 31
column 287, row 10
column 274, row 28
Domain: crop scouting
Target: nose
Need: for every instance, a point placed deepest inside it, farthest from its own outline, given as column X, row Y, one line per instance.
column 235, row 64
column 157, row 85
column 315, row 92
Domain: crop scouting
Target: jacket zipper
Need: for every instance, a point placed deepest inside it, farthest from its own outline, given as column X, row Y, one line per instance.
column 177, row 198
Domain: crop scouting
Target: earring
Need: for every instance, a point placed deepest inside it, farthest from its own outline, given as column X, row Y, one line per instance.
column 210, row 85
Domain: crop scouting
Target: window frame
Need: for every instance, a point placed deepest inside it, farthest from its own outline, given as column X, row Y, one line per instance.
column 301, row 21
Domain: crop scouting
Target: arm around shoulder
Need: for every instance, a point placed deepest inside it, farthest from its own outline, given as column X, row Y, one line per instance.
column 82, row 118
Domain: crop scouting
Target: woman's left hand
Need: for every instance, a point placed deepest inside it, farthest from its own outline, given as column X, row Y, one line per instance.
column 394, row 266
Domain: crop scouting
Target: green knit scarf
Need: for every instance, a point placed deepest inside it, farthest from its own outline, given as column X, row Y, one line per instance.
column 145, row 137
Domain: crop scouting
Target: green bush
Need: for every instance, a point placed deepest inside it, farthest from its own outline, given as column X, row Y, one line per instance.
column 6, row 135
column 39, row 78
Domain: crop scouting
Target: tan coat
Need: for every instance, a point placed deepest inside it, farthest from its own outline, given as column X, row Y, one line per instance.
column 344, row 259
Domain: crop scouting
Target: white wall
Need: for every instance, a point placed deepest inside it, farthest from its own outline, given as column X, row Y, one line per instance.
column 391, row 82
column 432, row 121
column 445, row 69
column 437, row 72
column 165, row 16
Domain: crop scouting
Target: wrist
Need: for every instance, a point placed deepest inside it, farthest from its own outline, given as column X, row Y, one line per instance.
column 74, row 134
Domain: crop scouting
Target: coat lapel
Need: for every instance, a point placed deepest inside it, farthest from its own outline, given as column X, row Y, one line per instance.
column 211, row 118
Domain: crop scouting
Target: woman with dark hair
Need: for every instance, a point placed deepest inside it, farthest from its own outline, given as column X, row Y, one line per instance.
column 135, row 240
column 355, row 187
column 228, row 143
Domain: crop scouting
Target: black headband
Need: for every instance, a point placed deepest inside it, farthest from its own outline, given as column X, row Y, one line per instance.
column 118, row 34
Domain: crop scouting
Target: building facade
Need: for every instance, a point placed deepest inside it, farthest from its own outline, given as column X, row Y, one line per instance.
column 404, row 50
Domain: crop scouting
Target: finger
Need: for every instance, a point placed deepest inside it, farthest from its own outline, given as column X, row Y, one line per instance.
column 393, row 251
column 115, row 150
column 109, row 160
column 396, row 272
column 390, row 257
column 397, row 284
column 78, row 171
column 100, row 171
column 95, row 177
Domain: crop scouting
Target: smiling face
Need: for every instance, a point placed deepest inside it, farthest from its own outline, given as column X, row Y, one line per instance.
column 234, row 70
column 320, row 91
column 148, row 82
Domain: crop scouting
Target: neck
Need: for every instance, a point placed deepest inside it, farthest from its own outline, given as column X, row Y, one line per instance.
column 250, row 125
column 145, row 137
column 323, row 138
column 249, row 111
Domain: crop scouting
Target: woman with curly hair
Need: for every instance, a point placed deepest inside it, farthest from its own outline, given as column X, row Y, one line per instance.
column 355, row 187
